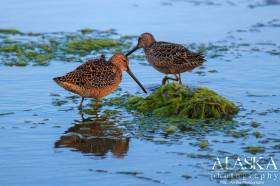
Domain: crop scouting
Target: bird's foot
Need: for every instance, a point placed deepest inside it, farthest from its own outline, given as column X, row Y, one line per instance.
column 81, row 104
column 166, row 79
column 180, row 82
column 97, row 105
column 82, row 114
column 80, row 107
column 179, row 78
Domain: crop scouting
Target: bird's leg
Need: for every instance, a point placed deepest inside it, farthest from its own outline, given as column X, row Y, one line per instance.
column 177, row 78
column 81, row 104
column 82, row 115
column 81, row 108
column 166, row 78
column 180, row 80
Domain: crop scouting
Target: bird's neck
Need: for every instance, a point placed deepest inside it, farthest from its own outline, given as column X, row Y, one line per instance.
column 149, row 43
column 119, row 67
column 147, row 48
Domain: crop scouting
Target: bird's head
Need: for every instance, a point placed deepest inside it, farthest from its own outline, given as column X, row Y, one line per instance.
column 145, row 40
column 121, row 61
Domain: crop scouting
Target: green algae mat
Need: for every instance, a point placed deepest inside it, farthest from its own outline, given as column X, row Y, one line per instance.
column 21, row 49
column 177, row 101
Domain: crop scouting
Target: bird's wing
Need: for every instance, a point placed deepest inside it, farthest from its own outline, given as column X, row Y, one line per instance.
column 170, row 53
column 93, row 73
column 176, row 54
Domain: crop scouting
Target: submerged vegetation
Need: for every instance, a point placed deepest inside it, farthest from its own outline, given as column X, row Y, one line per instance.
column 254, row 150
column 203, row 144
column 22, row 49
column 175, row 100
column 86, row 30
column 15, row 46
column 85, row 46
column 9, row 31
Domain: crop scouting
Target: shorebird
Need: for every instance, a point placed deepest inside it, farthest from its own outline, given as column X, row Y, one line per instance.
column 97, row 77
column 168, row 58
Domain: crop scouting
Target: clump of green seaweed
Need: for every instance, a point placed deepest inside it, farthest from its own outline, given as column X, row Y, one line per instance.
column 177, row 100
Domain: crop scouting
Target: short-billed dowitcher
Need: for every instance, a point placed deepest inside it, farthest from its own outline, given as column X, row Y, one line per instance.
column 97, row 77
column 168, row 58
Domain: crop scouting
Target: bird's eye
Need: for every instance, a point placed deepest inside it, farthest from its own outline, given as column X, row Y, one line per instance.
column 123, row 60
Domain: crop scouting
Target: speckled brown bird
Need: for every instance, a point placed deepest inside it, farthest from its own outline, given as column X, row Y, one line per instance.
column 168, row 58
column 97, row 77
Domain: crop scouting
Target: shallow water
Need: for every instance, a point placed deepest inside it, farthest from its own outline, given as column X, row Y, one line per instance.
column 33, row 125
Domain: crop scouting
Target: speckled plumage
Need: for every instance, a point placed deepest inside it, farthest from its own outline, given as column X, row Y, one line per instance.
column 97, row 77
column 171, row 58
column 168, row 58
column 94, row 79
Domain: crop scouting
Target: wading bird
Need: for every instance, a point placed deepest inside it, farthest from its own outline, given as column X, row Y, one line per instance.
column 97, row 77
column 168, row 58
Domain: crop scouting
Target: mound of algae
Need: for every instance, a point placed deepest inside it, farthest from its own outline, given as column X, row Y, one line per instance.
column 176, row 100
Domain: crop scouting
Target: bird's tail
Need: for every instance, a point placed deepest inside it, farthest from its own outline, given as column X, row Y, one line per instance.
column 198, row 58
column 57, row 80
column 201, row 57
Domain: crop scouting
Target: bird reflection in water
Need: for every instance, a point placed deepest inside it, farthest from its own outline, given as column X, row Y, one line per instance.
column 96, row 136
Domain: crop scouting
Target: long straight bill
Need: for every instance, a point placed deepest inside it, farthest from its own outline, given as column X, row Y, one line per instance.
column 130, row 52
column 136, row 80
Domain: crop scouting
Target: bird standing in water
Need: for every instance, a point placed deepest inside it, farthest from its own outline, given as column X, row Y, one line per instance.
column 97, row 77
column 168, row 58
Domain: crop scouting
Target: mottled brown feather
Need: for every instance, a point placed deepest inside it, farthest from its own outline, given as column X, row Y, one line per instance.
column 96, row 78
column 171, row 58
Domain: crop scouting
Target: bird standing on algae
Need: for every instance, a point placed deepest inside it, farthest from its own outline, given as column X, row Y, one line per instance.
column 97, row 77
column 168, row 58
